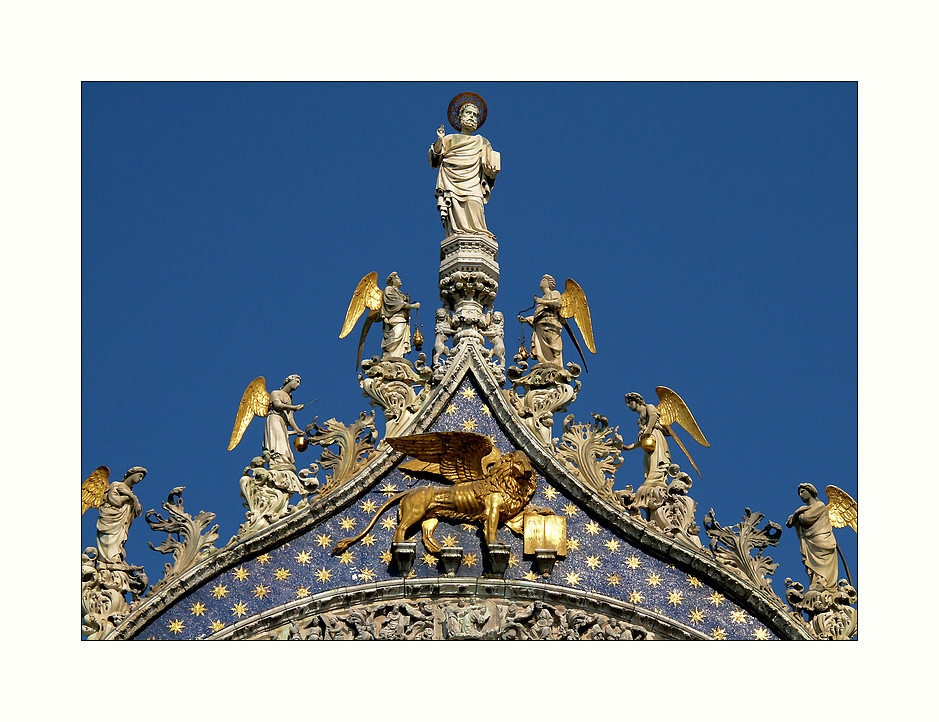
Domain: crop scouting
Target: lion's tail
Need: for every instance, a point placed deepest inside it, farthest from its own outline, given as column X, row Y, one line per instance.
column 346, row 543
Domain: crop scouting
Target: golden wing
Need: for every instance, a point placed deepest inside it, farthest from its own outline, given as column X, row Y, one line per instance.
column 574, row 303
column 254, row 402
column 458, row 453
column 842, row 509
column 367, row 295
column 94, row 488
column 672, row 410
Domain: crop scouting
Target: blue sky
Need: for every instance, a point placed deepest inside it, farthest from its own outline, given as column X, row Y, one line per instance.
column 713, row 227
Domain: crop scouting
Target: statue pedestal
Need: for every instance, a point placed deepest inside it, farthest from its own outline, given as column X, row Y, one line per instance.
column 451, row 558
column 403, row 554
column 546, row 559
column 498, row 558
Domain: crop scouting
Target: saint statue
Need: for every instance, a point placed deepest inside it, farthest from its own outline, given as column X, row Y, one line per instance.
column 396, row 319
column 468, row 168
column 816, row 540
column 277, row 440
column 546, row 324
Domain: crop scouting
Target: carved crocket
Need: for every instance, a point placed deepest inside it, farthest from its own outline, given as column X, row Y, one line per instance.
column 488, row 487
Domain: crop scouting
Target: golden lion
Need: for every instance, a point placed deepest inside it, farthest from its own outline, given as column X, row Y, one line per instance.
column 488, row 486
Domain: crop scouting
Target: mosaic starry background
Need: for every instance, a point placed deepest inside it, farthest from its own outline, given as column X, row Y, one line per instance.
column 598, row 559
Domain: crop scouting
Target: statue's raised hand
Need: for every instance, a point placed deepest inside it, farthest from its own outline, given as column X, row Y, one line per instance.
column 440, row 132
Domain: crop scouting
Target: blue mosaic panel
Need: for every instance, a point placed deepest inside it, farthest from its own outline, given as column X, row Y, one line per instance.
column 598, row 559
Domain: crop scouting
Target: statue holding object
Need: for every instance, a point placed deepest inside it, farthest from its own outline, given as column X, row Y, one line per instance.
column 468, row 167
column 552, row 309
column 392, row 307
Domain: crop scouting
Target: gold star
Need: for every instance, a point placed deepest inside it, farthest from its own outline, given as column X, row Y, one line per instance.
column 240, row 609
column 369, row 539
column 386, row 557
column 573, row 544
column 468, row 393
column 303, row 558
column 550, row 492
column 635, row 597
column 451, row 409
column 303, row 592
column 485, row 410
column 593, row 528
column 346, row 558
column 324, row 540
column 429, row 560
column 411, row 574
column 694, row 582
column 388, row 522
column 369, row 505
column 612, row 545
column 323, row 575
column 612, row 580
column 389, row 489
column 573, row 578
column 674, row 597
column 719, row 633
column 198, row 609
column 260, row 591
column 593, row 561
column 469, row 527
column 738, row 616
column 367, row 574
column 469, row 560
column 217, row 626
column 347, row 523
column 760, row 633
column 696, row 616
column 241, row 574
column 530, row 576
column 469, row 425
column 653, row 579
column 219, row 591
column 176, row 626
column 513, row 560
column 449, row 540
column 716, row 599
column 669, row 566
column 281, row 574
column 634, row 562
column 570, row 509
column 263, row 559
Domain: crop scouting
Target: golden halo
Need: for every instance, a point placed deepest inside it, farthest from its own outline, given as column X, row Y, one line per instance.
column 453, row 112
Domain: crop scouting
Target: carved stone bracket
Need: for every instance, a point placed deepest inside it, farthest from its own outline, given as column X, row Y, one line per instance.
column 191, row 544
column 459, row 618
column 830, row 613
column 546, row 390
column 734, row 554
column 593, row 453
column 265, row 502
column 403, row 554
column 356, row 449
column 104, row 586
column 450, row 560
column 667, row 508
column 396, row 387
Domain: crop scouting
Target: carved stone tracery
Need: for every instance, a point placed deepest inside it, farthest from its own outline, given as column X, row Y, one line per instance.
column 732, row 548
column 547, row 390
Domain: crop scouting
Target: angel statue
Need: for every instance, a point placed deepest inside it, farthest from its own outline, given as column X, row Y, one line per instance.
column 817, row 543
column 117, row 507
column 468, row 167
column 654, row 425
column 552, row 310
column 391, row 306
column 278, row 407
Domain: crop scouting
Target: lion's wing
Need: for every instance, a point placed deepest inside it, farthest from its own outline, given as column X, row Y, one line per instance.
column 458, row 453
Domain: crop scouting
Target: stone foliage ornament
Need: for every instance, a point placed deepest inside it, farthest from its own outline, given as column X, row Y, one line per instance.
column 107, row 578
column 545, row 391
column 356, row 444
column 731, row 546
column 488, row 487
column 831, row 614
column 399, row 389
column 265, row 502
column 668, row 508
column 188, row 538
column 467, row 168
column 552, row 309
column 459, row 618
column 593, row 452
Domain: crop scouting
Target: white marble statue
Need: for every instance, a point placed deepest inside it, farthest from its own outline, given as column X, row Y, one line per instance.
column 468, row 167
column 277, row 441
column 816, row 540
column 396, row 319
column 546, row 324
column 117, row 512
